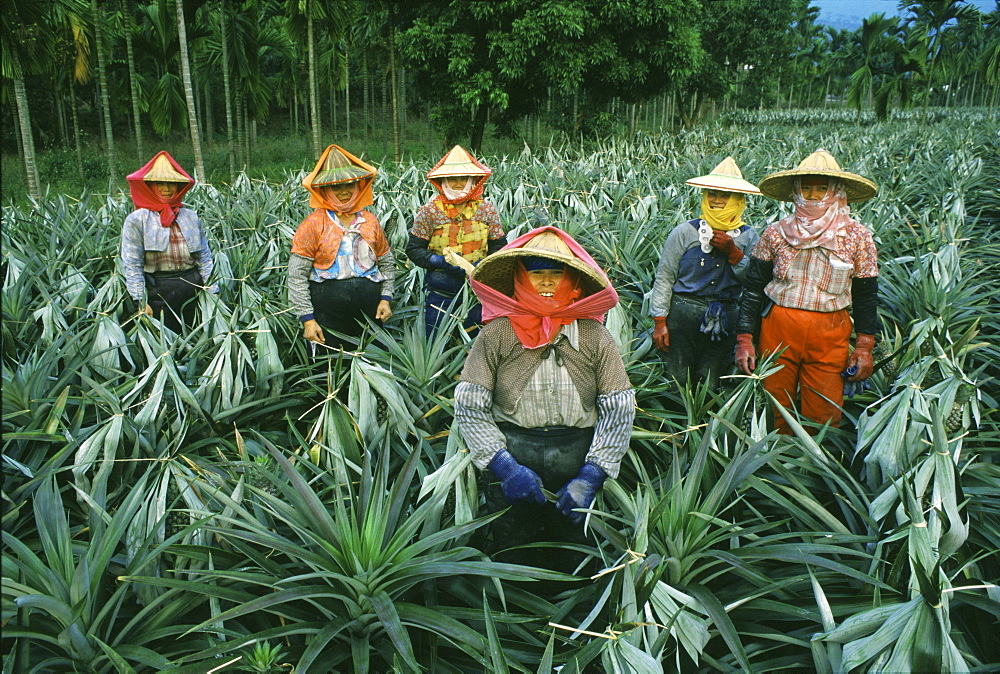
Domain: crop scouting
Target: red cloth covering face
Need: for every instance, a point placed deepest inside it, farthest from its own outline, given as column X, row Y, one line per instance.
column 143, row 195
column 537, row 320
column 362, row 196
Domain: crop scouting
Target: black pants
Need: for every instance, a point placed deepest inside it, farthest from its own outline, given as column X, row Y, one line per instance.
column 342, row 305
column 556, row 454
column 692, row 354
column 437, row 306
column 172, row 296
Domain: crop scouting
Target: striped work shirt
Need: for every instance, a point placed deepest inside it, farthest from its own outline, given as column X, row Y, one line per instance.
column 550, row 395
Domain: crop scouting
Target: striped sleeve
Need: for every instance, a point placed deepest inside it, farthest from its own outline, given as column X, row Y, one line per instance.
column 615, row 414
column 387, row 267
column 297, row 283
column 473, row 413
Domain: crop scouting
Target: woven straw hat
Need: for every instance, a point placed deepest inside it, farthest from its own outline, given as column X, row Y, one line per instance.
column 497, row 270
column 162, row 171
column 781, row 185
column 338, row 169
column 458, row 162
column 727, row 177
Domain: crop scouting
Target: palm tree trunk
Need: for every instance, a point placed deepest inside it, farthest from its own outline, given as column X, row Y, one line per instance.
column 395, row 95
column 24, row 119
column 230, row 152
column 402, row 97
column 76, row 129
column 347, row 92
column 199, row 164
column 57, row 102
column 132, row 82
column 206, row 112
column 102, row 76
column 366, row 104
column 240, row 131
column 333, row 106
column 313, row 99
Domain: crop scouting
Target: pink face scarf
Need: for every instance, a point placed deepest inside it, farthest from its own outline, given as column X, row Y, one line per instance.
column 814, row 224
column 536, row 319
column 143, row 195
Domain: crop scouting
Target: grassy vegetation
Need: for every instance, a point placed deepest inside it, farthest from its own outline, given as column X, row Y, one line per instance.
column 278, row 152
column 175, row 502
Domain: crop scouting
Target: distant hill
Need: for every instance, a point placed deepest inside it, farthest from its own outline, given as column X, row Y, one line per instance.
column 848, row 14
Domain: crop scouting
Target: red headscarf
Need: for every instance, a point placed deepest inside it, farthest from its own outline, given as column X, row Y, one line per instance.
column 536, row 319
column 143, row 196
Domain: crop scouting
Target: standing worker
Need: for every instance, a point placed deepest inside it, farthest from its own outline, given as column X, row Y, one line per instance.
column 544, row 400
column 816, row 269
column 698, row 281
column 164, row 249
column 459, row 217
column 341, row 269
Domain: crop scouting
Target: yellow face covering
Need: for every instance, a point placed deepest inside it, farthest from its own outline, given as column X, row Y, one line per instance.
column 726, row 218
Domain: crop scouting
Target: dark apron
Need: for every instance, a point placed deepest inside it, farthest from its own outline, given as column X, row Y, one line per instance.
column 172, row 296
column 342, row 305
column 556, row 453
column 693, row 355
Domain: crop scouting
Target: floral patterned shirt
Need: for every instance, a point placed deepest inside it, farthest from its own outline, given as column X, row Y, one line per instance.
column 817, row 279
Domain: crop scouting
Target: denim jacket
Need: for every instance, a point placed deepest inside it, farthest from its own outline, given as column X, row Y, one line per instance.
column 143, row 232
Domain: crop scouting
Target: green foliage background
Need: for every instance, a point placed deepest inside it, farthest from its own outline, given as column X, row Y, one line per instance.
column 181, row 502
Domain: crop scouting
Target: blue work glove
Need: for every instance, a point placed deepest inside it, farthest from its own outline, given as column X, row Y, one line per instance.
column 520, row 484
column 580, row 491
column 714, row 322
column 852, row 388
column 438, row 262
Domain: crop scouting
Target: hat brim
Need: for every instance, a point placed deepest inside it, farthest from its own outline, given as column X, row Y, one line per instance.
column 715, row 181
column 781, row 185
column 338, row 176
column 497, row 270
column 456, row 170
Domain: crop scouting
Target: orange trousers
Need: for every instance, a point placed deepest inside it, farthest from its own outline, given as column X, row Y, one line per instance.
column 816, row 352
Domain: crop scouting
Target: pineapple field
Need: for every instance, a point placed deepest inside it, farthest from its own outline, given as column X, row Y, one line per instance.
column 212, row 501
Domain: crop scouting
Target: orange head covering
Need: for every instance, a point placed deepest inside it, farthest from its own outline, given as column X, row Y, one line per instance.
column 161, row 168
column 337, row 165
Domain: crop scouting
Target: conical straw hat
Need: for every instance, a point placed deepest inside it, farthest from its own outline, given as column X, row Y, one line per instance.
column 162, row 171
column 338, row 169
column 458, row 162
column 727, row 177
column 781, row 185
column 497, row 270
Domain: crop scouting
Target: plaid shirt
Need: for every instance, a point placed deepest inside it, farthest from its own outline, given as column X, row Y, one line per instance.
column 177, row 256
column 145, row 241
column 499, row 371
column 468, row 228
column 817, row 279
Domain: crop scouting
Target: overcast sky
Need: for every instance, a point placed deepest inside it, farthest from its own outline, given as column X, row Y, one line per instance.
column 850, row 13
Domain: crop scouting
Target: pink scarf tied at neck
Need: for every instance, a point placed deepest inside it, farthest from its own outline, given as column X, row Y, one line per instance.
column 814, row 224
column 537, row 320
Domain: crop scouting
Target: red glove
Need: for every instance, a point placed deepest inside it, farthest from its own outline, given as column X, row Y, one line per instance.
column 661, row 338
column 725, row 243
column 746, row 357
column 862, row 357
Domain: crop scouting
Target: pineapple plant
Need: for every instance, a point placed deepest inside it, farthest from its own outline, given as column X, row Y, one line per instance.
column 953, row 423
column 177, row 517
column 257, row 475
column 882, row 351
